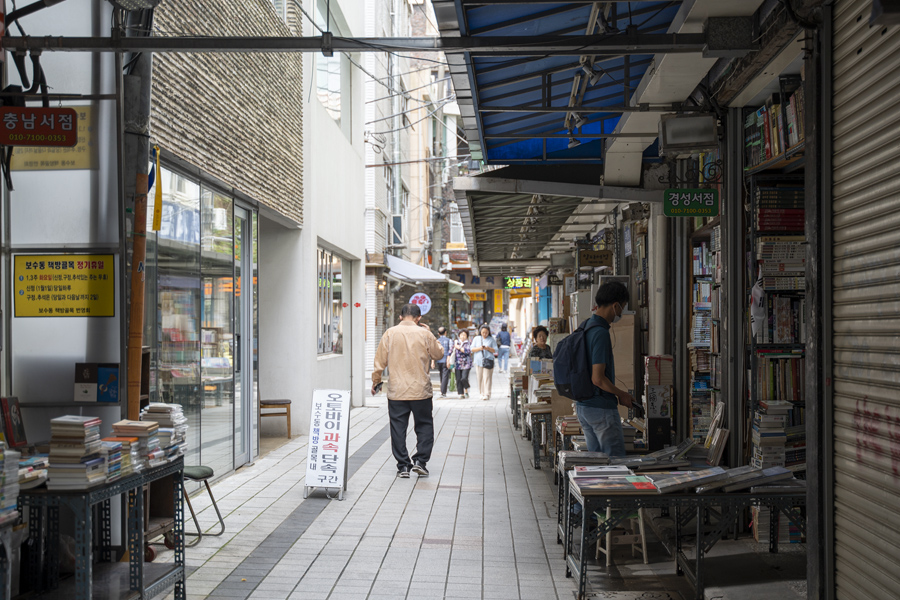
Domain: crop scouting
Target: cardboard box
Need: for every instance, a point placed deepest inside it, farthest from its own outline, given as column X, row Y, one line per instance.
column 96, row 382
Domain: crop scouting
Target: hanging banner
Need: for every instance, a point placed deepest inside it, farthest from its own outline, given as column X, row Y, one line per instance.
column 498, row 301
column 64, row 285
column 691, row 203
column 329, row 430
column 422, row 301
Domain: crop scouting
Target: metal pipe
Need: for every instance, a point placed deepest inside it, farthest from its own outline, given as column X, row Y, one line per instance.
column 587, row 108
column 642, row 43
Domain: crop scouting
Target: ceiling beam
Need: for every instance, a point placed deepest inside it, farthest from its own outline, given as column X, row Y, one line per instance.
column 666, row 108
column 608, row 194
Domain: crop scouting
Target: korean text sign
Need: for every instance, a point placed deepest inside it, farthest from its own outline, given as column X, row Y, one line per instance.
column 329, row 426
column 691, row 203
column 517, row 283
column 64, row 285
column 24, row 126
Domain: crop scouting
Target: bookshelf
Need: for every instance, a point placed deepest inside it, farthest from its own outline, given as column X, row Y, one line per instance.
column 775, row 280
column 703, row 271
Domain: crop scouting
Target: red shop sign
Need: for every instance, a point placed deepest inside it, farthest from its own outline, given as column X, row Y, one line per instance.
column 38, row 126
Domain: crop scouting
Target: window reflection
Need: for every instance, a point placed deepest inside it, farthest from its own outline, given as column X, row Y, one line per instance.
column 172, row 312
column 217, row 360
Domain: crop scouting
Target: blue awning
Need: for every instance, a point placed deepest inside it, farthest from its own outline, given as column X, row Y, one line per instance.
column 510, row 104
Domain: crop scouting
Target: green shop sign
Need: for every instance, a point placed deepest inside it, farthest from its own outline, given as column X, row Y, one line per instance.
column 516, row 283
column 691, row 203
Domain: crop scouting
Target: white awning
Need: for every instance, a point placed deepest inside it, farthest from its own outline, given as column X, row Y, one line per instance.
column 411, row 272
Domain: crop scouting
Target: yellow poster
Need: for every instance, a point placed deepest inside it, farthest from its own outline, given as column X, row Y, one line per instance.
column 64, row 285
column 477, row 296
column 80, row 156
column 498, row 301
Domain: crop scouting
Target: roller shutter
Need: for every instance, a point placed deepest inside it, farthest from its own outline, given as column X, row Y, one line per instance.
column 866, row 304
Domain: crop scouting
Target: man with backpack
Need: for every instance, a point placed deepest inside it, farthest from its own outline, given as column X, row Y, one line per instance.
column 588, row 354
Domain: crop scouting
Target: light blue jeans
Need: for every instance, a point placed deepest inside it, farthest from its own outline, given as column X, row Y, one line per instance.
column 602, row 429
column 503, row 358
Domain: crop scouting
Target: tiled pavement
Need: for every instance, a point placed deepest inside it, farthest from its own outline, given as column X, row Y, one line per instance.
column 482, row 526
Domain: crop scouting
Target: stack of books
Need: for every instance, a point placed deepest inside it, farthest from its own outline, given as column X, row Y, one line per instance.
column 628, row 432
column 762, row 519
column 33, row 471
column 9, row 485
column 129, row 452
column 700, row 360
column 795, row 448
column 112, row 452
column 570, row 458
column 149, row 452
column 75, row 459
column 701, row 406
column 658, row 382
column 568, row 425
column 172, row 427
column 768, row 434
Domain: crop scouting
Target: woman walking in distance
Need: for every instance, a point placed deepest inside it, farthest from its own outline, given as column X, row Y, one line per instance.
column 463, row 349
column 484, row 347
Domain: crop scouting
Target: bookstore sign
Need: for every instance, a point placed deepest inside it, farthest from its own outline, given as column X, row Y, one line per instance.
column 691, row 203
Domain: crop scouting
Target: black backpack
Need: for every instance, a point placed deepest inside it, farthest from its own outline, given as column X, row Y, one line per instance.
column 572, row 365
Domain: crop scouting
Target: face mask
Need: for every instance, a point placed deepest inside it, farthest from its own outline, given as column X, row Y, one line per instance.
column 618, row 316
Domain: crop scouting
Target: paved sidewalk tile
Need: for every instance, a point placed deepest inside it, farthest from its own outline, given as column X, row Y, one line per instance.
column 478, row 527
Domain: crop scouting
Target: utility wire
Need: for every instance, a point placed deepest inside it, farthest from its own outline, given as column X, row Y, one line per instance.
column 443, row 101
column 404, row 92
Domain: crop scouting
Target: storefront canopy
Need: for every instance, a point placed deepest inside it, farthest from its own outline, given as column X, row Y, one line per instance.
column 408, row 272
column 513, row 224
column 517, row 108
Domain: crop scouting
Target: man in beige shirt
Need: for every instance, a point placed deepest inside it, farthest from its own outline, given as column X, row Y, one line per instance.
column 408, row 349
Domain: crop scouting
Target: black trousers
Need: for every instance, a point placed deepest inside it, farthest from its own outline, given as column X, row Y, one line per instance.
column 399, row 411
column 444, row 372
column 462, row 380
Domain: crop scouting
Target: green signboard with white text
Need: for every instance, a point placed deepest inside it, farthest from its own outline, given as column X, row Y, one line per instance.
column 691, row 203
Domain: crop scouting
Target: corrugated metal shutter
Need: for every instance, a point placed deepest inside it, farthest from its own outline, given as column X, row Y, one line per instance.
column 866, row 304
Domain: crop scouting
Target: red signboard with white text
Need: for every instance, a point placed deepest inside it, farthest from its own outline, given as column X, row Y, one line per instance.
column 38, row 126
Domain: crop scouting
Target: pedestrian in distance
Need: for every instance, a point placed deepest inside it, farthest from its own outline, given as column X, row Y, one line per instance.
column 441, row 364
column 408, row 350
column 540, row 349
column 599, row 415
column 463, row 349
column 485, row 351
column 504, row 340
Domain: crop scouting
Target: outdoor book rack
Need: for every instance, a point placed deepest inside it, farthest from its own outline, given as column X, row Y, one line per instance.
column 540, row 421
column 686, row 506
column 134, row 579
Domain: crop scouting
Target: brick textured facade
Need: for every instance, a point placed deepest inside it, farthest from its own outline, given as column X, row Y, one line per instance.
column 236, row 116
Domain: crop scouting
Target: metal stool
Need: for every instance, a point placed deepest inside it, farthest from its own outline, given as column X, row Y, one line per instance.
column 285, row 404
column 203, row 474
column 634, row 538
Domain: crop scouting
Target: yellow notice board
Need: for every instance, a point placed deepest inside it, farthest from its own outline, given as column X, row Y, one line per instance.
column 498, row 301
column 82, row 155
column 64, row 285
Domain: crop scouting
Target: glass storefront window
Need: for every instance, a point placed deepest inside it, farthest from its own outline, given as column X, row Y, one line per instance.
column 218, row 340
column 172, row 308
column 330, row 310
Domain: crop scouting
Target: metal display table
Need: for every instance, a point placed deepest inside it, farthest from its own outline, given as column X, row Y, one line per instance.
column 514, row 393
column 686, row 505
column 538, row 418
column 134, row 580
column 562, row 442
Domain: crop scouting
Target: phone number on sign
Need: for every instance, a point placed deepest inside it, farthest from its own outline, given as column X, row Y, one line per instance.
column 34, row 137
column 691, row 211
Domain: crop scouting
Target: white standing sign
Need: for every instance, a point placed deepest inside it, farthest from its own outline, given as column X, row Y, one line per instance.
column 326, row 461
column 659, row 401
column 422, row 301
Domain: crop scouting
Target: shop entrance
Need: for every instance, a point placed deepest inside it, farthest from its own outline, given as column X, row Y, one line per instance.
column 244, row 335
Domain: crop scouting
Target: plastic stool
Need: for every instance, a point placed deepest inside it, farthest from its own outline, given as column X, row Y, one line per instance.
column 636, row 541
column 201, row 473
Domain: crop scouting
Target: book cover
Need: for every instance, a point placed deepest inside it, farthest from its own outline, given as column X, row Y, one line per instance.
column 757, row 478
column 14, row 427
column 668, row 483
column 600, row 470
column 615, row 485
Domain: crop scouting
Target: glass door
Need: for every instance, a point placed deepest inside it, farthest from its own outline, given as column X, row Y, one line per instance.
column 243, row 335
